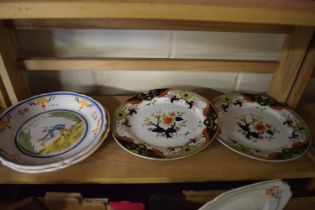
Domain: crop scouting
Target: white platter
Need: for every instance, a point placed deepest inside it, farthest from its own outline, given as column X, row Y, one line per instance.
column 269, row 195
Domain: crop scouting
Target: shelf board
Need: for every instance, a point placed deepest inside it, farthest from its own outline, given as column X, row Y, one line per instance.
column 285, row 12
column 111, row 164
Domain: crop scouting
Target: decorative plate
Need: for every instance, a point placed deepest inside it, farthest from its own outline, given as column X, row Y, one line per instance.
column 261, row 128
column 66, row 163
column 269, row 195
column 165, row 124
column 49, row 129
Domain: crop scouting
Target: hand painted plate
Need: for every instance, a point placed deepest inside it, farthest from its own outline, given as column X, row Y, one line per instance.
column 49, row 129
column 165, row 124
column 66, row 163
column 269, row 195
column 261, row 128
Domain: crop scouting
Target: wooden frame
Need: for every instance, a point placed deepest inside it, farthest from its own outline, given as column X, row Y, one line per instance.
column 284, row 71
column 290, row 73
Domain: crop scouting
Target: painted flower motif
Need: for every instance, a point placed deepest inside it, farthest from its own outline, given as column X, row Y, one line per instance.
column 226, row 99
column 185, row 95
column 42, row 102
column 83, row 103
column 122, row 114
column 300, row 128
column 22, row 111
column 260, row 127
column 254, row 128
column 5, row 123
column 168, row 120
column 165, row 124
column 273, row 191
column 97, row 128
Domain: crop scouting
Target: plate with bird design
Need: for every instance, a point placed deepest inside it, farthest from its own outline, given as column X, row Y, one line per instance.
column 261, row 128
column 165, row 124
column 48, row 130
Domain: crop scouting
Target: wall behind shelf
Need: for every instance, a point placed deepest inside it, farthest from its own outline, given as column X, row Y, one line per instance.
column 148, row 44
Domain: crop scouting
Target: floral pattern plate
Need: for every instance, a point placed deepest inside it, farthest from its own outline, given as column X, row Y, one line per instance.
column 261, row 128
column 50, row 129
column 269, row 195
column 165, row 124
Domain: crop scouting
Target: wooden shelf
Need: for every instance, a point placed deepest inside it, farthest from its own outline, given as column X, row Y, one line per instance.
column 111, row 164
column 285, row 12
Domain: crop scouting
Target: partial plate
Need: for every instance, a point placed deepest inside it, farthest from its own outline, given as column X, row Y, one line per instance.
column 269, row 195
column 261, row 128
column 49, row 129
column 165, row 124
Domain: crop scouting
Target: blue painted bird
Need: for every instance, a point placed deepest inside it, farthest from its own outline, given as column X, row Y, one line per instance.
column 61, row 128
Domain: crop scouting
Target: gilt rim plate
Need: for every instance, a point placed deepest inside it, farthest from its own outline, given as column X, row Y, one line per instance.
column 271, row 195
column 49, row 129
column 164, row 124
column 261, row 128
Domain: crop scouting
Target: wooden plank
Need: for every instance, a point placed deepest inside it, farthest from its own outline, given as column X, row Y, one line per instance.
column 147, row 64
column 111, row 164
column 313, row 74
column 293, row 52
column 4, row 98
column 283, row 12
column 12, row 78
column 146, row 24
column 303, row 76
column 301, row 203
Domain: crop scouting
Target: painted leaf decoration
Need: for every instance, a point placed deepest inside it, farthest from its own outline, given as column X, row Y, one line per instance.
column 270, row 132
column 179, row 119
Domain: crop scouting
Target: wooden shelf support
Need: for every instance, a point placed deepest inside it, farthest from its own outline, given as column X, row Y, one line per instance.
column 303, row 76
column 291, row 58
column 12, row 78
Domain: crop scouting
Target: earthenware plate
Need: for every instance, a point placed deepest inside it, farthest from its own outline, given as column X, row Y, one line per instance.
column 66, row 163
column 49, row 129
column 269, row 195
column 165, row 124
column 261, row 128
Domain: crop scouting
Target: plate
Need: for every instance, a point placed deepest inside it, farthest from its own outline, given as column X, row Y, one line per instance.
column 165, row 124
column 71, row 161
column 261, row 128
column 269, row 195
column 49, row 129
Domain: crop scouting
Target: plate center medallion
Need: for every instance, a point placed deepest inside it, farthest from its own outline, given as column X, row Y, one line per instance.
column 51, row 133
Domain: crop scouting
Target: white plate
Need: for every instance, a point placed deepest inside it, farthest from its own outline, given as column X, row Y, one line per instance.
column 261, row 128
column 269, row 195
column 165, row 124
column 50, row 129
column 75, row 159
